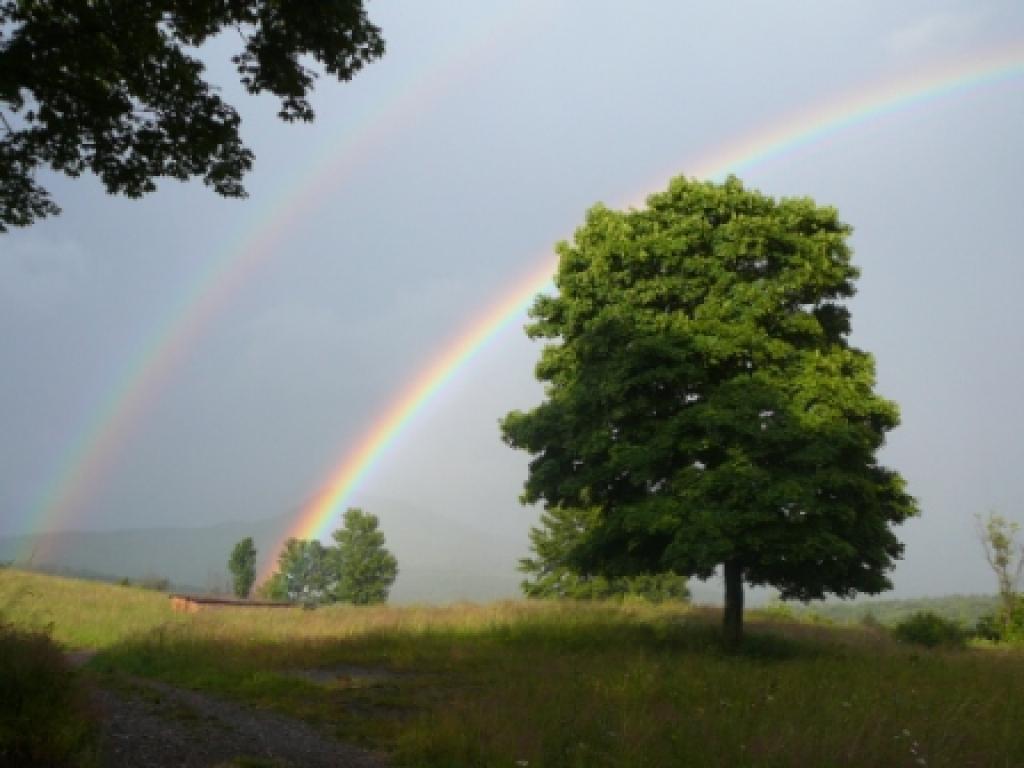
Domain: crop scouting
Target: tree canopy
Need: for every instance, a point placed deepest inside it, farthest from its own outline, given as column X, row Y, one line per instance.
column 305, row 573
column 358, row 569
column 366, row 570
column 112, row 87
column 702, row 395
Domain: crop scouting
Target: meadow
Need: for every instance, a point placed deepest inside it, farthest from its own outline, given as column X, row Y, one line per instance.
column 557, row 684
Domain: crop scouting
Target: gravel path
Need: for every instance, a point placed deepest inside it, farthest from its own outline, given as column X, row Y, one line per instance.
column 154, row 725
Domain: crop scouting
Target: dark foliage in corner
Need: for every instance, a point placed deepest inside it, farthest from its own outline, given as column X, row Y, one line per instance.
column 111, row 87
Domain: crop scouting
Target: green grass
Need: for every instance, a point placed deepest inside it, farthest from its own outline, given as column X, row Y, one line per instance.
column 666, row 702
column 80, row 614
column 535, row 684
column 45, row 719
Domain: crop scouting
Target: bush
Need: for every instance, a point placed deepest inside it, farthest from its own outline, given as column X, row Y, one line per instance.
column 653, row 588
column 870, row 621
column 1014, row 633
column 931, row 630
column 1002, row 628
column 989, row 627
column 44, row 715
column 778, row 610
column 155, row 583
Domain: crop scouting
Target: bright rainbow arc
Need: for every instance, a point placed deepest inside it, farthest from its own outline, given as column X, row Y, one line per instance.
column 457, row 356
column 88, row 459
column 797, row 131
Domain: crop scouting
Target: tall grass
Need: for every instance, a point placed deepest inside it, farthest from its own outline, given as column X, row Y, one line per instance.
column 45, row 719
column 80, row 614
column 549, row 684
column 674, row 703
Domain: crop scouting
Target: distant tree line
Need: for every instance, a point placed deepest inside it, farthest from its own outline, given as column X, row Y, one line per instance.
column 155, row 583
column 357, row 569
column 967, row 610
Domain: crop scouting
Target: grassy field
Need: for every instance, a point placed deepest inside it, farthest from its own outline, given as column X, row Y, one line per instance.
column 82, row 614
column 534, row 684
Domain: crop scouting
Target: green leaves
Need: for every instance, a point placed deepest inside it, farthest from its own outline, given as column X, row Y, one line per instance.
column 366, row 570
column 110, row 87
column 359, row 569
column 552, row 572
column 306, row 572
column 704, row 400
column 242, row 565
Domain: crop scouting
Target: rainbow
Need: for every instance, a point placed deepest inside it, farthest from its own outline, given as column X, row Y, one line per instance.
column 88, row 459
column 796, row 131
column 455, row 358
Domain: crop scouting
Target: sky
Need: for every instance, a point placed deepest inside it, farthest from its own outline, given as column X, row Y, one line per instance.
column 442, row 176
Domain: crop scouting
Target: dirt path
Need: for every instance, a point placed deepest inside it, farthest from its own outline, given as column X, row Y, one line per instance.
column 152, row 724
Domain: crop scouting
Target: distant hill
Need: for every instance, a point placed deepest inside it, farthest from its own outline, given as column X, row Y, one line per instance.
column 966, row 609
column 440, row 559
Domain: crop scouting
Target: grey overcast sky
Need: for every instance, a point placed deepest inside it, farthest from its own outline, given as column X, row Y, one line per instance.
column 442, row 175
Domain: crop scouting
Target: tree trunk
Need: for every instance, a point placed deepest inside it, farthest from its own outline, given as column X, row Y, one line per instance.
column 732, row 627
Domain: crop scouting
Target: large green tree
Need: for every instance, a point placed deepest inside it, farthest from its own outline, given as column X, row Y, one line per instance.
column 703, row 396
column 242, row 565
column 113, row 87
column 365, row 568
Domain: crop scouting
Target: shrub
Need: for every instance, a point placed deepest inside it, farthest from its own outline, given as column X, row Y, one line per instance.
column 870, row 621
column 931, row 630
column 776, row 609
column 155, row 583
column 989, row 627
column 44, row 715
column 1015, row 626
column 1002, row 628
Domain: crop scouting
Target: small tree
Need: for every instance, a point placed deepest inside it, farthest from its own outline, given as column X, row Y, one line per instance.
column 274, row 588
column 242, row 565
column 365, row 568
column 551, row 572
column 1005, row 556
column 702, row 394
column 305, row 571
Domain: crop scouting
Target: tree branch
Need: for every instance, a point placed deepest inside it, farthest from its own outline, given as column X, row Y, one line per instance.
column 7, row 125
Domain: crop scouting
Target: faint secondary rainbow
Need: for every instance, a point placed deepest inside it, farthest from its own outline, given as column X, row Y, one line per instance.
column 88, row 460
column 795, row 131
